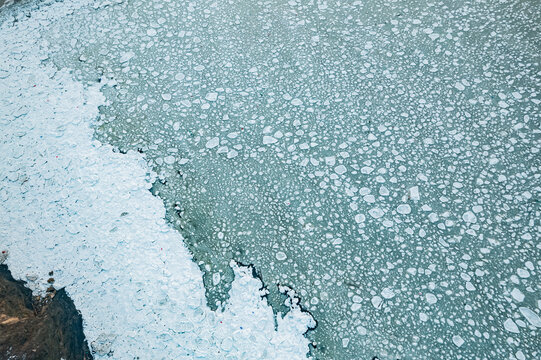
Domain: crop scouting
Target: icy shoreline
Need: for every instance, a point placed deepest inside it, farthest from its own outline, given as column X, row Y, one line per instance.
column 70, row 204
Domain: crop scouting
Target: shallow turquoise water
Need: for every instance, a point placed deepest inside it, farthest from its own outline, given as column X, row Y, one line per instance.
column 381, row 159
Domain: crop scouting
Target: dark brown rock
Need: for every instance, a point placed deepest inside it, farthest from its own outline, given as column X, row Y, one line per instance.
column 32, row 329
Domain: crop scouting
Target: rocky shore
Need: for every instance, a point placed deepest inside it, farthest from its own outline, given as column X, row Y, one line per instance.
column 38, row 328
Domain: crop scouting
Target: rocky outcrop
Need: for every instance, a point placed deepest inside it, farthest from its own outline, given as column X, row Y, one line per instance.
column 38, row 328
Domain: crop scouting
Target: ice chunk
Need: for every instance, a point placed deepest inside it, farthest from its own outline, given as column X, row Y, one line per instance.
column 388, row 293
column 169, row 159
column 403, row 209
column 340, row 169
column 359, row 218
column 296, row 102
column 361, row 330
column 269, row 140
column 458, row 341
column 459, row 85
column 469, row 217
column 431, row 298
column 532, row 317
column 377, row 301
column 216, row 278
column 376, row 213
column 126, row 56
column 212, row 143
column 211, row 96
column 517, row 295
column 510, row 326
column 414, row 193
column 330, row 160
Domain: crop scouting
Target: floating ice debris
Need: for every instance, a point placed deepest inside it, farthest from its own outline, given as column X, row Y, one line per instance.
column 458, row 341
column 269, row 140
column 377, row 301
column 431, row 298
column 517, row 295
column 169, row 159
column 212, row 143
column 531, row 316
column 459, row 86
column 367, row 170
column 414, row 193
column 376, row 213
column 211, row 96
column 361, row 330
column 232, row 153
column 510, row 326
column 330, row 160
column 369, row 199
column 216, row 277
column 469, row 217
column 523, row 273
column 388, row 293
column 126, row 56
column 403, row 209
column 340, row 169
column 296, row 102
column 359, row 218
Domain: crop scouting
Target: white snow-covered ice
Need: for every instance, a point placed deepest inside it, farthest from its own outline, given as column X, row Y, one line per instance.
column 72, row 205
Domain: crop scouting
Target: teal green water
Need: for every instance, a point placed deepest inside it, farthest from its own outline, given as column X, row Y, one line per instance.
column 380, row 158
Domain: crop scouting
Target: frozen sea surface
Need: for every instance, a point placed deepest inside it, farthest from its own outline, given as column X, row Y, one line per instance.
column 70, row 204
column 380, row 158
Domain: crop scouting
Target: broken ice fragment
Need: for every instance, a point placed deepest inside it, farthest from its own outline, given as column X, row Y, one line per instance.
column 376, row 213
column 388, row 293
column 212, row 96
column 517, row 295
column 296, row 102
column 403, row 209
column 376, row 301
column 532, row 317
column 126, row 56
column 212, row 143
column 431, row 298
column 340, row 169
column 414, row 193
column 269, row 140
column 469, row 217
column 510, row 326
column 458, row 341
